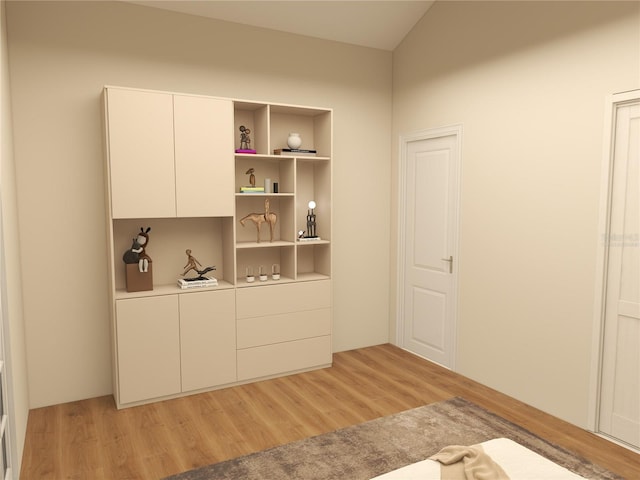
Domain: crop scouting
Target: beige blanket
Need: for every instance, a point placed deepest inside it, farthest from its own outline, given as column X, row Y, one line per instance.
column 467, row 463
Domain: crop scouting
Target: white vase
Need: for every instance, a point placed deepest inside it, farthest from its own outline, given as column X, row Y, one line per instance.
column 294, row 140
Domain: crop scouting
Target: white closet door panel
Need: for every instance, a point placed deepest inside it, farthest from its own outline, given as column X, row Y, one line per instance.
column 141, row 154
column 208, row 339
column 148, row 348
column 204, row 156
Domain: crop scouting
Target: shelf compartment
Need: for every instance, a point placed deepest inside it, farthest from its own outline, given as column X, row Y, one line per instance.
column 253, row 116
column 248, row 204
column 279, row 169
column 313, row 182
column 209, row 238
column 313, row 125
column 313, row 260
column 254, row 256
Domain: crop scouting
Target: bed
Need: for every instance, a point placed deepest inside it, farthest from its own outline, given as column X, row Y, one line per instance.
column 518, row 462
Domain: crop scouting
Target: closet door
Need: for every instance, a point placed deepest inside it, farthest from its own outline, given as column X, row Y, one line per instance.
column 140, row 142
column 204, row 156
column 148, row 336
column 207, row 339
column 620, row 382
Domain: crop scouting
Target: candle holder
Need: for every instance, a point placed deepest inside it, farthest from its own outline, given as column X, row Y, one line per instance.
column 262, row 274
column 250, row 276
column 275, row 271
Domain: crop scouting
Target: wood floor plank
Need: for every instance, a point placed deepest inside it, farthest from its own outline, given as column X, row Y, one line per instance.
column 120, row 457
column 42, row 456
column 90, row 439
column 79, row 440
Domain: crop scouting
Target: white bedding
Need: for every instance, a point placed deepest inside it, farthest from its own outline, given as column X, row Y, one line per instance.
column 518, row 462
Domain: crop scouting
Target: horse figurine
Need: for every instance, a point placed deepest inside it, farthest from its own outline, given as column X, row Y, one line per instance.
column 259, row 218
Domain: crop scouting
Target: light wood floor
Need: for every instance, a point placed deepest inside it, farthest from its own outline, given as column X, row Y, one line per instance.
column 92, row 440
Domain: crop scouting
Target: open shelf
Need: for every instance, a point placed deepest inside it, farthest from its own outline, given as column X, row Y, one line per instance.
column 279, row 169
column 172, row 289
column 208, row 238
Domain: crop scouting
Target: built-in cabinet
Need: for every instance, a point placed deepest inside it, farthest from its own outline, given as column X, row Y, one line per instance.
column 169, row 155
column 172, row 166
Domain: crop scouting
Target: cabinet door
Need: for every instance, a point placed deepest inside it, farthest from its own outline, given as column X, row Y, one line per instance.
column 207, row 339
column 141, row 159
column 148, row 348
column 204, row 156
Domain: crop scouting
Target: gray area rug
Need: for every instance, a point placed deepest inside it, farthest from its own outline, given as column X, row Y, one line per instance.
column 384, row 444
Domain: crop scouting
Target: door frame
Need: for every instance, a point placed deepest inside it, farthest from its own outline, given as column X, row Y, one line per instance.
column 612, row 103
column 405, row 139
column 7, row 420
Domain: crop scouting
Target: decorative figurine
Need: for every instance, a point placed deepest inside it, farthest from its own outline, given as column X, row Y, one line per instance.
column 252, row 177
column 245, row 140
column 137, row 253
column 270, row 217
column 259, row 218
column 311, row 220
column 192, row 264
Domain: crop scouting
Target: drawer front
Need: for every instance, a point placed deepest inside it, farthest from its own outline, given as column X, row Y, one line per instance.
column 283, row 357
column 256, row 331
column 285, row 298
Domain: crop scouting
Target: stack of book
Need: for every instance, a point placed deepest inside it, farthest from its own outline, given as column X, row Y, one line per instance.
column 251, row 189
column 245, row 150
column 197, row 282
column 295, row 152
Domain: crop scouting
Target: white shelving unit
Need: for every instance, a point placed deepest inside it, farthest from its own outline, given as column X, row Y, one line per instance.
column 171, row 165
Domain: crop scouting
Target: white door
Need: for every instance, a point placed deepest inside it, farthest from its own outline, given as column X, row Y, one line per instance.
column 429, row 234
column 620, row 382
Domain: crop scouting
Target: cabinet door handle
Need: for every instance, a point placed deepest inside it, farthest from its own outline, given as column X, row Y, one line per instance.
column 450, row 260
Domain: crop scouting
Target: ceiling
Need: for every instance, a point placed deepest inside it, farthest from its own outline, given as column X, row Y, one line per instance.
column 377, row 24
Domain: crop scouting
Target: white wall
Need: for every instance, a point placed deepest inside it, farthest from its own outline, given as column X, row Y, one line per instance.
column 10, row 275
column 63, row 53
column 528, row 81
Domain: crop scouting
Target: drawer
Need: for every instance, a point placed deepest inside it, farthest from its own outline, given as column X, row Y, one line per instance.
column 285, row 327
column 284, row 357
column 285, row 298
